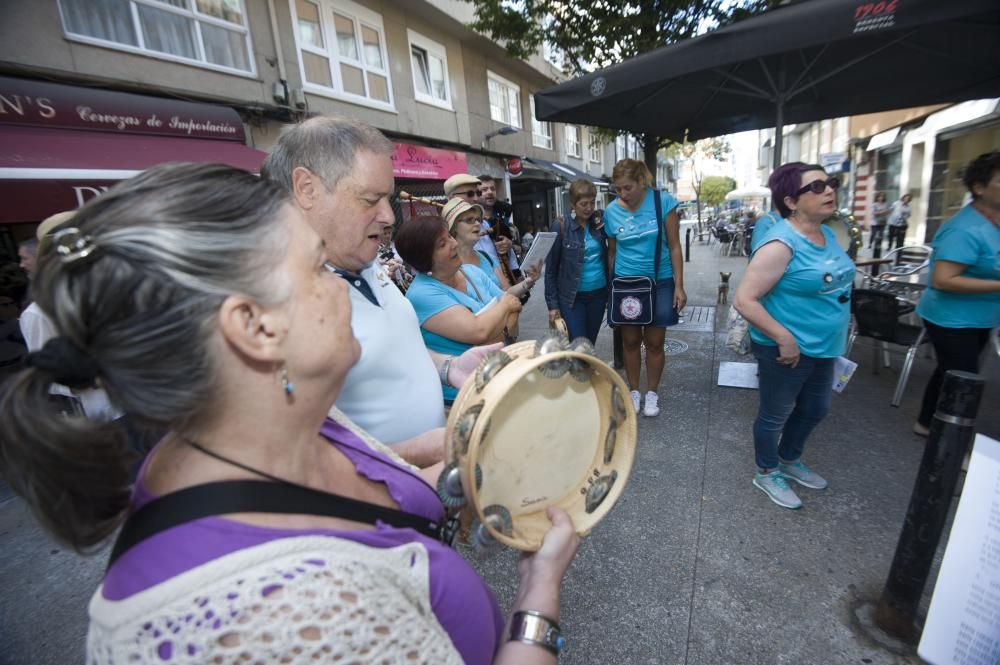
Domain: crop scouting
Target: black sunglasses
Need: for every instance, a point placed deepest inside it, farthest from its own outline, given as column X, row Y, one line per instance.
column 471, row 192
column 819, row 186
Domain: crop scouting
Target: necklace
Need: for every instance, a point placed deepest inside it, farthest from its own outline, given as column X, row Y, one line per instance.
column 211, row 453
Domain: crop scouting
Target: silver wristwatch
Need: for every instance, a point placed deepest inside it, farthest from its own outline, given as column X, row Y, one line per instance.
column 534, row 628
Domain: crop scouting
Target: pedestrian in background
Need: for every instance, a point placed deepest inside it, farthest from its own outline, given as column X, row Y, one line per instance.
column 576, row 283
column 880, row 215
column 899, row 221
column 795, row 296
column 632, row 228
column 962, row 300
column 204, row 303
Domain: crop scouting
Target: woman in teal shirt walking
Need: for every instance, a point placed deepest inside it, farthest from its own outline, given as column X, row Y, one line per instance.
column 795, row 295
column 962, row 301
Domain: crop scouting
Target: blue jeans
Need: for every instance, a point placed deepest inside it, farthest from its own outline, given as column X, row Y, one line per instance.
column 584, row 318
column 792, row 402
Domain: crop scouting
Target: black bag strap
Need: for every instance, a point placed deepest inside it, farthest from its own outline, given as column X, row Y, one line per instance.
column 659, row 234
column 258, row 496
column 487, row 257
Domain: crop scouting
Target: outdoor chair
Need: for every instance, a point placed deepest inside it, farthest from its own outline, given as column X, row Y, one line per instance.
column 877, row 315
column 907, row 260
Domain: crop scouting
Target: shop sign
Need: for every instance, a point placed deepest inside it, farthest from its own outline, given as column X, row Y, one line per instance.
column 833, row 161
column 515, row 166
column 420, row 162
column 42, row 104
column 32, row 200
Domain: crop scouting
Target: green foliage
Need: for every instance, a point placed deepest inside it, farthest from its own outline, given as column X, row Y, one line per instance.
column 714, row 188
column 593, row 34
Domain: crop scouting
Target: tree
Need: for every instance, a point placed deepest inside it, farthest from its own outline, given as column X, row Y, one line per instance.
column 715, row 149
column 714, row 189
column 593, row 34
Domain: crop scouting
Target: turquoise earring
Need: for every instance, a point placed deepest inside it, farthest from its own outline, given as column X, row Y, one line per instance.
column 286, row 385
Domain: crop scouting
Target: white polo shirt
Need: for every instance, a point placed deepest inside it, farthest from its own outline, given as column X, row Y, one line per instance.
column 393, row 391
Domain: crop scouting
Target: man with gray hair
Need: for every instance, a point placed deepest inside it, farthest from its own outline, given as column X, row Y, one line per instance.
column 338, row 172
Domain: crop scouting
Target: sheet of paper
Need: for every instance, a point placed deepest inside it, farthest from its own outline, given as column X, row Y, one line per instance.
column 963, row 623
column 492, row 303
column 843, row 370
column 738, row 375
column 540, row 248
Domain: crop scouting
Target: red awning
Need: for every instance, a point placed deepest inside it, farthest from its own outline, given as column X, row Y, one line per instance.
column 44, row 171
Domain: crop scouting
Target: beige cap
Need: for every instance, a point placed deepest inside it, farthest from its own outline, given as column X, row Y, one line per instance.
column 50, row 223
column 454, row 208
column 458, row 180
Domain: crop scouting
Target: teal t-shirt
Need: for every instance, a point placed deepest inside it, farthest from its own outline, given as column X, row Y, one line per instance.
column 592, row 274
column 635, row 237
column 430, row 297
column 761, row 227
column 487, row 267
column 972, row 240
column 807, row 298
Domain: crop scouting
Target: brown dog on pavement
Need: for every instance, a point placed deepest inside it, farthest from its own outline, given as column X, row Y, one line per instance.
column 724, row 288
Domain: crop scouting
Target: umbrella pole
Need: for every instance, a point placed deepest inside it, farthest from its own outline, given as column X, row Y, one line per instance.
column 779, row 123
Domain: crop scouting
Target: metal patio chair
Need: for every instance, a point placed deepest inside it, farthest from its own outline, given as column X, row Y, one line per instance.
column 877, row 315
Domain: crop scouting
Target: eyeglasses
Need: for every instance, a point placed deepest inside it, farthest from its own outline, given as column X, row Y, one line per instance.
column 471, row 193
column 819, row 186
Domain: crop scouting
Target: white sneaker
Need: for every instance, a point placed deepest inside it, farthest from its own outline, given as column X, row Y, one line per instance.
column 651, row 409
column 636, row 399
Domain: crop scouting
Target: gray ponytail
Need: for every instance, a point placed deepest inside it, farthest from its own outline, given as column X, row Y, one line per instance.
column 172, row 244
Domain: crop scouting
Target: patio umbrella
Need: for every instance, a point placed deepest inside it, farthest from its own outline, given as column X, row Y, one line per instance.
column 800, row 62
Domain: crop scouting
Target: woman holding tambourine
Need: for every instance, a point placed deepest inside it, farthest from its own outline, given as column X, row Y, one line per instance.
column 647, row 288
column 576, row 284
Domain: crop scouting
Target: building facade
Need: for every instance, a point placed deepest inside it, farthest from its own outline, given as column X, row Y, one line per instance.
column 450, row 99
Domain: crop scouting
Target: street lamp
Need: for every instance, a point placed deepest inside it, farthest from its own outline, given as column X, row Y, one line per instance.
column 503, row 131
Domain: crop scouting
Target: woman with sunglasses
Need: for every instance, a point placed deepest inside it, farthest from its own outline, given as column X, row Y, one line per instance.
column 795, row 294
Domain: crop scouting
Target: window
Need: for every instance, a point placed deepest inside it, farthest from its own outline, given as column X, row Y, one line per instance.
column 342, row 51
column 595, row 147
column 572, row 140
column 209, row 33
column 430, row 71
column 505, row 100
column 541, row 132
column 620, row 147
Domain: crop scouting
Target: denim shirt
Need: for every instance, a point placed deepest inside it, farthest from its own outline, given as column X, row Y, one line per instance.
column 564, row 264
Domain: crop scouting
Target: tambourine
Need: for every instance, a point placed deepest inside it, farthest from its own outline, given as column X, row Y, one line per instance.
column 559, row 325
column 541, row 423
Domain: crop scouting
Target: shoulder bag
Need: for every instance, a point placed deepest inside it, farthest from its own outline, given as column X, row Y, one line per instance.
column 633, row 299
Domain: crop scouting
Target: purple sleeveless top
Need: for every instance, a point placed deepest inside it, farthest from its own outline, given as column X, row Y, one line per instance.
column 462, row 603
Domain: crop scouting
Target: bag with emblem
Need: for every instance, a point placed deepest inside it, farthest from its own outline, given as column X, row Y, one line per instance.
column 633, row 299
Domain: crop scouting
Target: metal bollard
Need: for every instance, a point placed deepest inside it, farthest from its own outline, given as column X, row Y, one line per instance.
column 951, row 432
column 687, row 246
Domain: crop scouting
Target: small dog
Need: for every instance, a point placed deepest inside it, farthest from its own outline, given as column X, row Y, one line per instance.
column 724, row 288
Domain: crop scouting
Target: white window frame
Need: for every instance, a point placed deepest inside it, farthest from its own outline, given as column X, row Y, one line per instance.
column 573, row 148
column 594, row 147
column 431, row 48
column 361, row 17
column 541, row 130
column 519, row 123
column 199, row 44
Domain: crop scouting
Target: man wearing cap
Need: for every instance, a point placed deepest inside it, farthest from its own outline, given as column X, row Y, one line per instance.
column 469, row 188
column 338, row 172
